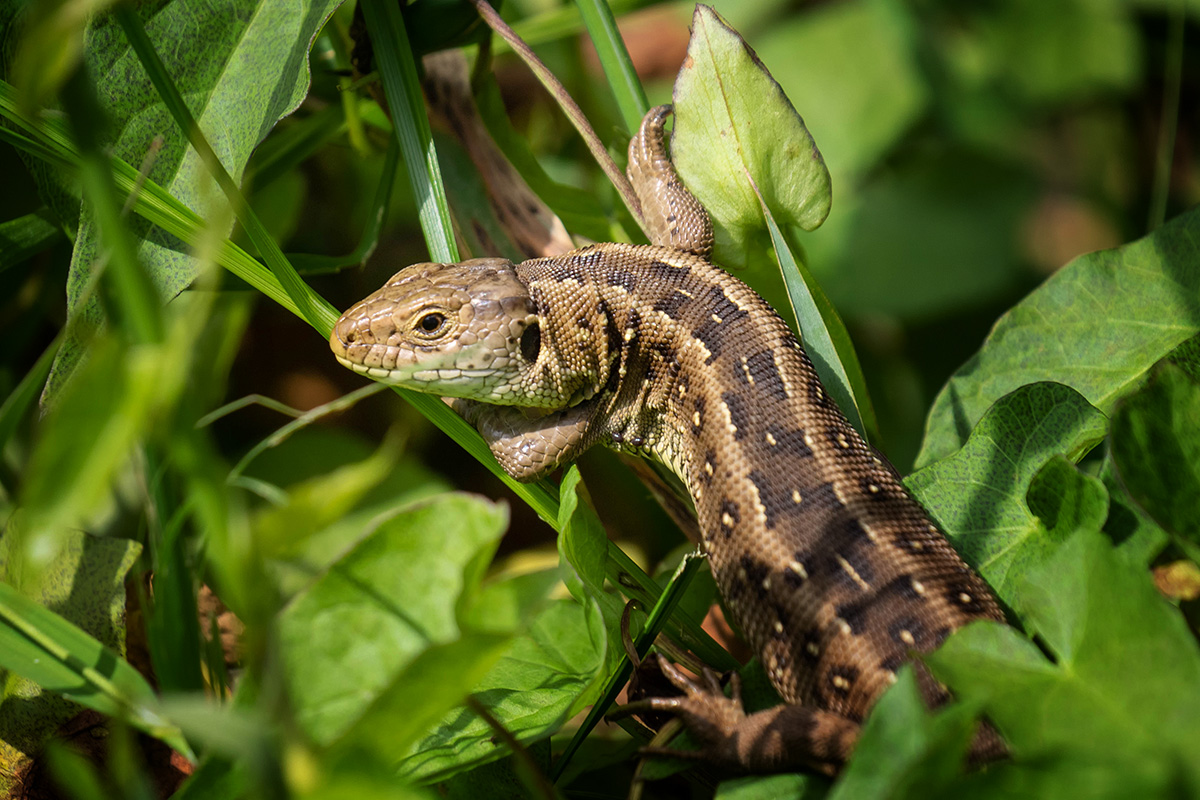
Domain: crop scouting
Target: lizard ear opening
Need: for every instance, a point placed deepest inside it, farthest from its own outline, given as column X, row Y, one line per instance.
column 531, row 342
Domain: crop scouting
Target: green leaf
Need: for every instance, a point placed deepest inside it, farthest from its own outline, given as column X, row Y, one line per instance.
column 1123, row 685
column 214, row 55
column 1097, row 325
column 615, row 61
column 379, row 607
column 735, row 129
column 1155, row 445
column 1008, row 497
column 905, row 751
column 549, row 673
column 422, row 692
column 303, row 465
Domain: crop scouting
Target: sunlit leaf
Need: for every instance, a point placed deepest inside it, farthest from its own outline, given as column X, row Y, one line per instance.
column 1096, row 325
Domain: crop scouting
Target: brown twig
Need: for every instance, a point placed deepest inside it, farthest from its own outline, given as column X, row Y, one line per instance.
column 570, row 107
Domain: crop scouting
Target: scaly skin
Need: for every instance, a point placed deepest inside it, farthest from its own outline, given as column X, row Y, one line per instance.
column 835, row 574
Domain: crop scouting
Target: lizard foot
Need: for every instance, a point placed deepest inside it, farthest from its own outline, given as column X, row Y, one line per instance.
column 779, row 739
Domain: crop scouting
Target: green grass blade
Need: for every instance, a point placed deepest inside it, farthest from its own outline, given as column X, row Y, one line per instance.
column 40, row 645
column 402, row 87
column 18, row 403
column 655, row 622
column 615, row 61
column 825, row 338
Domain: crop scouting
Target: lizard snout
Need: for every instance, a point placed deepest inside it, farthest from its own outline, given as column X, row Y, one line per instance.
column 351, row 334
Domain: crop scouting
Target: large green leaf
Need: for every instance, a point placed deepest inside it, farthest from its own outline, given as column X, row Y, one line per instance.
column 1009, row 496
column 241, row 65
column 906, row 751
column 1097, row 325
column 547, row 675
column 383, row 604
column 1118, row 710
column 426, row 688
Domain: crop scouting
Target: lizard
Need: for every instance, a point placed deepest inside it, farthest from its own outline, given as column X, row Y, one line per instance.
column 832, row 570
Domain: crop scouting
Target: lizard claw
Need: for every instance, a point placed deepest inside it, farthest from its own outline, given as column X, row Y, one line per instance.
column 710, row 716
column 785, row 737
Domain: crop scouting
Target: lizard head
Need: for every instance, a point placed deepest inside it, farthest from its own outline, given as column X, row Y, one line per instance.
column 459, row 330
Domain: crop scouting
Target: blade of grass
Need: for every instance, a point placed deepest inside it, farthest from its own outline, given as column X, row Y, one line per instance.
column 402, row 87
column 615, row 61
column 18, row 403
column 655, row 622
column 621, row 570
column 40, row 645
column 825, row 337
column 1165, row 155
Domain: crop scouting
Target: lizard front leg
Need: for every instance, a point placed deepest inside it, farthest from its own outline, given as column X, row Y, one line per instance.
column 528, row 446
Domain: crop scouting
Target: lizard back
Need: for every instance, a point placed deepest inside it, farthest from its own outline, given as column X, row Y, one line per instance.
column 831, row 569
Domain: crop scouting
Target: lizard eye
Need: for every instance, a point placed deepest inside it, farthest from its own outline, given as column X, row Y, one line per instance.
column 431, row 323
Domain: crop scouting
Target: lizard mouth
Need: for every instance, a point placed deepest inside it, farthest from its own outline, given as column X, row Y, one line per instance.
column 363, row 369
column 413, row 378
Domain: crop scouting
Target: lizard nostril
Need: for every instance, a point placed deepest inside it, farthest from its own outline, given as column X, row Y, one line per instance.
column 346, row 333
